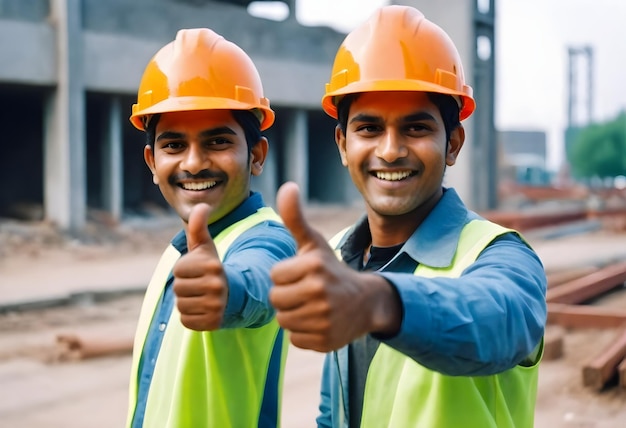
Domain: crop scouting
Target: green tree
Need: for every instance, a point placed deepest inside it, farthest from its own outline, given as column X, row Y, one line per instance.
column 599, row 150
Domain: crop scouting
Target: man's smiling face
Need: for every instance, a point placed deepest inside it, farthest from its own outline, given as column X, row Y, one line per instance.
column 202, row 156
column 396, row 151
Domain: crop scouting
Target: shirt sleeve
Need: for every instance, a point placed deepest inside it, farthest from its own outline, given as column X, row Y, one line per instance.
column 484, row 322
column 247, row 265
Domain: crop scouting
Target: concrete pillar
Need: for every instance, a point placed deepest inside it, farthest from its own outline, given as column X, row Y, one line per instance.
column 485, row 180
column 112, row 161
column 64, row 160
column 473, row 163
column 296, row 151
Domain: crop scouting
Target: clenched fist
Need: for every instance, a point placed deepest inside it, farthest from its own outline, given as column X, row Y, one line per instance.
column 319, row 299
column 200, row 285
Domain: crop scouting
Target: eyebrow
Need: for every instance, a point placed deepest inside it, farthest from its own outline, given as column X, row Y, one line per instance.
column 170, row 135
column 217, row 131
column 414, row 117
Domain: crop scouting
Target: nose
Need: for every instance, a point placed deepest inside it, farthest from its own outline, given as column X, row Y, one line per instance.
column 391, row 147
column 194, row 160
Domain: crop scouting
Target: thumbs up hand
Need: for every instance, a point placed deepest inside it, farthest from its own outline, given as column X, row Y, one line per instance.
column 200, row 284
column 320, row 300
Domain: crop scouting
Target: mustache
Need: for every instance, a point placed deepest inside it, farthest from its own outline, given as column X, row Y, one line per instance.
column 400, row 163
column 205, row 174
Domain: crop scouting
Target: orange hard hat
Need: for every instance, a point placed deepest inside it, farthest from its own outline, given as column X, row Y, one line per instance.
column 398, row 49
column 200, row 70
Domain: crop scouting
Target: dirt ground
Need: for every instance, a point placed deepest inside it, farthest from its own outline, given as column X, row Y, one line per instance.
column 43, row 387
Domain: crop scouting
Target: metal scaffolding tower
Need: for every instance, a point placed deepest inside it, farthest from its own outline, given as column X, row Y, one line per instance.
column 580, row 109
column 579, row 93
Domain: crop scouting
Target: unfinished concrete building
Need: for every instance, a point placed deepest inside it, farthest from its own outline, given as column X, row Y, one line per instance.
column 69, row 75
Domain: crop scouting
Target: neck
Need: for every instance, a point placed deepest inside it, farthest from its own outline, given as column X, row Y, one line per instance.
column 390, row 230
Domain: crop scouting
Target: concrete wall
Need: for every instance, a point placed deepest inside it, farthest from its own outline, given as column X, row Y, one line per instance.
column 81, row 62
column 120, row 36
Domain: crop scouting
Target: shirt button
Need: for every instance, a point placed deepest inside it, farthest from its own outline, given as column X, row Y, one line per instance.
column 162, row 326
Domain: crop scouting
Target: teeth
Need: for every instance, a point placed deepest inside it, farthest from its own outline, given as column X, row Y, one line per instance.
column 198, row 186
column 392, row 176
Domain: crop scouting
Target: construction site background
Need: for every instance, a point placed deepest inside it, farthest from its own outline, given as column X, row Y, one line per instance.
column 69, row 305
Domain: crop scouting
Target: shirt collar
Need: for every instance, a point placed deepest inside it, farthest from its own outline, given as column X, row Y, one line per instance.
column 436, row 239
column 248, row 207
column 433, row 243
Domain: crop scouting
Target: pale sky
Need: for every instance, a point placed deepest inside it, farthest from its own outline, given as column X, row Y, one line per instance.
column 343, row 15
column 532, row 40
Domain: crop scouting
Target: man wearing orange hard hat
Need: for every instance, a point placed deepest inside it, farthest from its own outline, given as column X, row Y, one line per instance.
column 208, row 350
column 431, row 315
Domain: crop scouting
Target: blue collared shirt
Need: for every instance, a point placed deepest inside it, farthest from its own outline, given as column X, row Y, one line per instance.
column 248, row 286
column 484, row 322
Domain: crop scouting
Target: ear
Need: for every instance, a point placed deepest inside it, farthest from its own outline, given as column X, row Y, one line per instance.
column 457, row 138
column 148, row 156
column 258, row 154
column 340, row 139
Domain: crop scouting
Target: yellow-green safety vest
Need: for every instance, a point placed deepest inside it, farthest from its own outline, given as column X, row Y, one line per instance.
column 211, row 378
column 401, row 393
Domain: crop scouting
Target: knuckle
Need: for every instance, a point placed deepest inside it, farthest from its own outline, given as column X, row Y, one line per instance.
column 323, row 345
column 318, row 264
column 214, row 266
column 188, row 322
column 317, row 287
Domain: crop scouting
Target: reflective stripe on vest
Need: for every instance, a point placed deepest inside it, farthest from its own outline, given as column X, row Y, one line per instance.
column 399, row 392
column 205, row 379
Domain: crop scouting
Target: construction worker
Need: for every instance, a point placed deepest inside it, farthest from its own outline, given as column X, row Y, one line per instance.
column 208, row 351
column 435, row 316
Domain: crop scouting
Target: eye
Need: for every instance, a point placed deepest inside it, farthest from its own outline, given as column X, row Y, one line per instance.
column 368, row 128
column 172, row 146
column 218, row 143
column 417, row 128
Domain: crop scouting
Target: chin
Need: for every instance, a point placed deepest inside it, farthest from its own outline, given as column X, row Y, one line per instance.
column 390, row 205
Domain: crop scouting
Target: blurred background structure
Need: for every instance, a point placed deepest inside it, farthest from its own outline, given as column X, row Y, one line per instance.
column 70, row 74
column 70, row 71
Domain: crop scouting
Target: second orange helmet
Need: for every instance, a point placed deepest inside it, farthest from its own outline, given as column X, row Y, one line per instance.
column 398, row 49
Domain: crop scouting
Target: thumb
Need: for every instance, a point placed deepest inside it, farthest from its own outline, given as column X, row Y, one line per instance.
column 197, row 230
column 290, row 210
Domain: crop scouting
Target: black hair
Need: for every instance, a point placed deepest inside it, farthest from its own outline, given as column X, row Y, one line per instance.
column 449, row 110
column 251, row 126
column 447, row 105
column 150, row 128
column 245, row 118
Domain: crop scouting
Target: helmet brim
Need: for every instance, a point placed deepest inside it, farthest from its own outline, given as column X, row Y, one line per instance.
column 178, row 104
column 330, row 99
